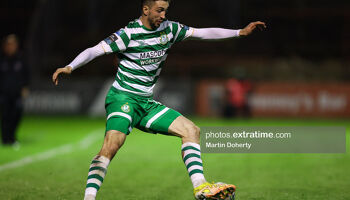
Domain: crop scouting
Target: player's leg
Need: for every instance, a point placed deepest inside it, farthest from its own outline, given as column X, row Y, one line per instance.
column 191, row 154
column 161, row 119
column 7, row 120
column 113, row 141
column 122, row 115
column 2, row 118
column 185, row 129
column 17, row 115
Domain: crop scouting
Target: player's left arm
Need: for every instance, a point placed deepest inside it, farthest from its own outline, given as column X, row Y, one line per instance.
column 221, row 33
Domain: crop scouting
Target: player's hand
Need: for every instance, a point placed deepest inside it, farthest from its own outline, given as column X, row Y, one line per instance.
column 251, row 27
column 64, row 70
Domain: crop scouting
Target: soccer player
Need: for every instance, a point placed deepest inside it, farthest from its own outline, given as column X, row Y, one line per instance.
column 142, row 47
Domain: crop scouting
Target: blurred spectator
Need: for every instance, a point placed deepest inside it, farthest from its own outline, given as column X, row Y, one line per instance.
column 237, row 95
column 14, row 79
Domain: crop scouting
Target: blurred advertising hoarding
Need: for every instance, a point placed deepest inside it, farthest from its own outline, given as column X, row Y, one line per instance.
column 279, row 99
column 88, row 97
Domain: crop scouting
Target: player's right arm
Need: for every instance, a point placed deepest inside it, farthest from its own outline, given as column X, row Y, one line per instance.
column 117, row 42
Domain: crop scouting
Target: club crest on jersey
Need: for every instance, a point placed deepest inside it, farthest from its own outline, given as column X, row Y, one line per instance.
column 125, row 108
column 163, row 39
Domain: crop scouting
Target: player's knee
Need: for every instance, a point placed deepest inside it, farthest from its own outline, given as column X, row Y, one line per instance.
column 193, row 131
column 197, row 131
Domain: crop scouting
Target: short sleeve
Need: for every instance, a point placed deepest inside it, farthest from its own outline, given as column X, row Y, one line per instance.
column 117, row 42
column 181, row 32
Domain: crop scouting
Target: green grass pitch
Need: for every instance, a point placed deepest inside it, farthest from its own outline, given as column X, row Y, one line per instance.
column 149, row 167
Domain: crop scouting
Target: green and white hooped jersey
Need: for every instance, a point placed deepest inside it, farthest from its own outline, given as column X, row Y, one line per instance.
column 142, row 53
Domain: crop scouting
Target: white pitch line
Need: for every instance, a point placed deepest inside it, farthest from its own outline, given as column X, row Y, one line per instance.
column 68, row 148
column 90, row 139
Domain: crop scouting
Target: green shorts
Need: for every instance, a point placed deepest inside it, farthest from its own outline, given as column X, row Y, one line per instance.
column 124, row 111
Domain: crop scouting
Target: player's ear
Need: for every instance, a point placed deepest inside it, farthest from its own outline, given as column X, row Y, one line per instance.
column 145, row 10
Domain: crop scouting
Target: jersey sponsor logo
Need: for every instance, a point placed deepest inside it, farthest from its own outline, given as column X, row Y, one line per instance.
column 111, row 39
column 125, row 108
column 163, row 39
column 152, row 54
column 150, row 61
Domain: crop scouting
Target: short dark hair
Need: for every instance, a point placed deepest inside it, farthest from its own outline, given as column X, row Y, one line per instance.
column 150, row 2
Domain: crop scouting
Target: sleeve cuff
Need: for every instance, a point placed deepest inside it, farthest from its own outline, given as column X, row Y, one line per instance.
column 237, row 32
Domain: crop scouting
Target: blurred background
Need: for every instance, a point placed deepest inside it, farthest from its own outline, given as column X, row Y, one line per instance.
column 294, row 73
column 297, row 67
